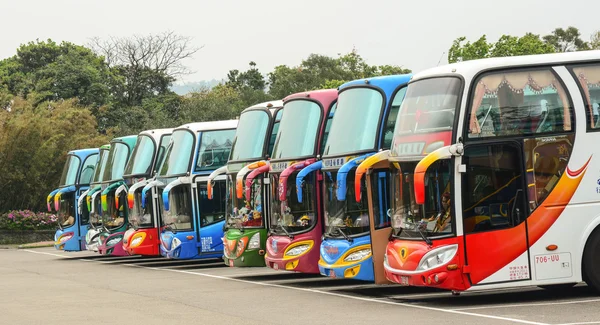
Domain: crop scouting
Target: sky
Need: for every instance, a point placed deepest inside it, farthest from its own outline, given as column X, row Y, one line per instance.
column 412, row 34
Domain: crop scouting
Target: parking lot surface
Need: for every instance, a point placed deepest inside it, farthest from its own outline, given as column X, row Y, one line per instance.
column 45, row 286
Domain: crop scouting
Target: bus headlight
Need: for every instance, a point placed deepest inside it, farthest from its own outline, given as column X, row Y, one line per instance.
column 437, row 257
column 358, row 255
column 137, row 240
column 297, row 250
column 113, row 241
column 175, row 243
column 254, row 242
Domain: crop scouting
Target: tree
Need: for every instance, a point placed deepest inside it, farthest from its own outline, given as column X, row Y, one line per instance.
column 595, row 41
column 469, row 51
column 566, row 40
column 222, row 102
column 251, row 78
column 55, row 72
column 506, row 45
column 34, row 141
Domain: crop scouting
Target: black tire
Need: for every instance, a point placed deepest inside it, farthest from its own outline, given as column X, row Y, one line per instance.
column 557, row 287
column 591, row 261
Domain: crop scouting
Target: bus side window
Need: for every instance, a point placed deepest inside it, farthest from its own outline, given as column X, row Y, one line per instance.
column 519, row 103
column 588, row 77
column 88, row 169
column 380, row 181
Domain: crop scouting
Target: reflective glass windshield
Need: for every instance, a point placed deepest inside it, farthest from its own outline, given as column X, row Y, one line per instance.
column 429, row 106
column 178, row 154
column 66, row 210
column 214, row 149
column 298, row 130
column 69, row 174
column 290, row 215
column 87, row 171
column 433, row 218
column 250, row 135
column 96, row 216
column 141, row 158
column 142, row 217
column 242, row 213
column 99, row 171
column 354, row 127
column 348, row 217
column 114, row 217
column 162, row 150
column 117, row 159
column 179, row 217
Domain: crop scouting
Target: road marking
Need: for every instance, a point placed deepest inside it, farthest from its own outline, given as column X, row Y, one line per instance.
column 531, row 305
column 374, row 300
column 582, row 323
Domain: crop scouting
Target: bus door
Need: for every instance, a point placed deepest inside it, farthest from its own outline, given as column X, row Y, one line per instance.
column 378, row 182
column 495, row 213
column 210, row 215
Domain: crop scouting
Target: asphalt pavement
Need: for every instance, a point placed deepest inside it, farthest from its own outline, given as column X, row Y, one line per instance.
column 45, row 286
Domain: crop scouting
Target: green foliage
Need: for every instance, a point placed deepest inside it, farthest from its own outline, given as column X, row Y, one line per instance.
column 595, row 41
column 506, row 45
column 317, row 71
column 566, row 40
column 34, row 141
column 55, row 72
column 219, row 103
column 332, row 84
column 28, row 220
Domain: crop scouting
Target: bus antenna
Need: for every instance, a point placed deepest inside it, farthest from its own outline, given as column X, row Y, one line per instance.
column 441, row 56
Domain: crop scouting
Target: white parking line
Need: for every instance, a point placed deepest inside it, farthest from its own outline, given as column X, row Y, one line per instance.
column 582, row 323
column 450, row 311
column 531, row 305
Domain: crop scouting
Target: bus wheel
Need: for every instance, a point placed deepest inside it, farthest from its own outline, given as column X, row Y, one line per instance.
column 591, row 262
column 557, row 287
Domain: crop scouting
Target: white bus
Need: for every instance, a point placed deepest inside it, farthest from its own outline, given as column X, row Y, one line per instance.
column 496, row 175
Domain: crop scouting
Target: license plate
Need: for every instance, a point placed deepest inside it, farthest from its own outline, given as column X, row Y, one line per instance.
column 275, row 266
column 332, row 273
column 403, row 280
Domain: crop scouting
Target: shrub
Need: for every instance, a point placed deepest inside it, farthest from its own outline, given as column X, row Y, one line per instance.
column 28, row 220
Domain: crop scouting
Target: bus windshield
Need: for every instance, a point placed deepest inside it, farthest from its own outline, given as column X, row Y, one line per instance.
column 96, row 216
column 214, row 149
column 117, row 159
column 69, row 174
column 179, row 153
column 114, row 217
column 241, row 213
column 434, row 218
column 142, row 156
column 354, row 127
column 250, row 135
column 179, row 217
column 142, row 217
column 347, row 217
column 100, row 167
column 298, row 130
column 66, row 210
column 429, row 107
column 291, row 216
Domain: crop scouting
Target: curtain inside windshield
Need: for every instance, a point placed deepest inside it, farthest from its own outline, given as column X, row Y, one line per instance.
column 354, row 127
column 69, row 174
column 179, row 153
column 298, row 129
column 250, row 135
column 141, row 158
column 214, row 149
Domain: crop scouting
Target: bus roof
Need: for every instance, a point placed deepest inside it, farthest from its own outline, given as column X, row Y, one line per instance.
column 271, row 105
column 473, row 67
column 128, row 140
column 387, row 83
column 322, row 95
column 157, row 133
column 208, row 126
column 83, row 153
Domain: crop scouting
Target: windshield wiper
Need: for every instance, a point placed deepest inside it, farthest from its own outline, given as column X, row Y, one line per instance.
column 171, row 229
column 339, row 229
column 287, row 233
column 425, row 238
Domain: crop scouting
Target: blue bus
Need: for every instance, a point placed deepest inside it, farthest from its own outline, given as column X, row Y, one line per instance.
column 75, row 180
column 363, row 125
